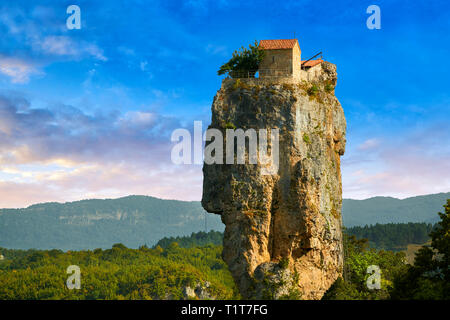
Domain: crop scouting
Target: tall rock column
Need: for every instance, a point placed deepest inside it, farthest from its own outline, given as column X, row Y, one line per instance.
column 283, row 230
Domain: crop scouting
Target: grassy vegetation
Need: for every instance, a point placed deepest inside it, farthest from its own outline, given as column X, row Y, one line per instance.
column 329, row 88
column 412, row 249
column 313, row 90
column 230, row 125
column 306, row 138
column 238, row 84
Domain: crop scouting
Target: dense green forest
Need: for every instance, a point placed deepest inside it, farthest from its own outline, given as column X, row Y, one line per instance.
column 116, row 273
column 393, row 236
column 122, row 273
column 358, row 257
column 196, row 239
column 157, row 273
column 138, row 220
column 428, row 278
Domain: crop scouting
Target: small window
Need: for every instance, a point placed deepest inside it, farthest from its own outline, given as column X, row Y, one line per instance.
column 273, row 58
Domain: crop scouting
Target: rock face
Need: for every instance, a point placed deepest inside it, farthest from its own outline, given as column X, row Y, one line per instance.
column 199, row 292
column 283, row 230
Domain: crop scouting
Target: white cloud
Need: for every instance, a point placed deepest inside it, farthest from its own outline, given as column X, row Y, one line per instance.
column 143, row 65
column 65, row 46
column 18, row 70
column 100, row 180
column 126, row 51
column 139, row 118
column 40, row 39
column 369, row 144
column 216, row 49
column 413, row 164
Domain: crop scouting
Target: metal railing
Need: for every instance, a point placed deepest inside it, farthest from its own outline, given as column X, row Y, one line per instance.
column 262, row 73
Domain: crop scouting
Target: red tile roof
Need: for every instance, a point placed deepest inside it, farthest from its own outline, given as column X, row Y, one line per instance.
column 312, row 63
column 277, row 44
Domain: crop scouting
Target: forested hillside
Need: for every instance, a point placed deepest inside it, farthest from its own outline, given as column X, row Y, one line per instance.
column 139, row 220
column 196, row 239
column 172, row 272
column 90, row 224
column 393, row 236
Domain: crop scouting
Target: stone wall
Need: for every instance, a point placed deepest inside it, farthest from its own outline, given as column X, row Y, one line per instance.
column 278, row 61
column 313, row 74
column 281, row 62
column 297, row 60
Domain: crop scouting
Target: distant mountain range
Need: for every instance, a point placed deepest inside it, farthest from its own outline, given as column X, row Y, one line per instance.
column 89, row 224
column 392, row 210
column 139, row 220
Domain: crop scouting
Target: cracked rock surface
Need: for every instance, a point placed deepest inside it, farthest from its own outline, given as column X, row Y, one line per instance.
column 283, row 230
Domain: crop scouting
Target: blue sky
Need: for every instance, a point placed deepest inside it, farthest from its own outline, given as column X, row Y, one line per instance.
column 88, row 113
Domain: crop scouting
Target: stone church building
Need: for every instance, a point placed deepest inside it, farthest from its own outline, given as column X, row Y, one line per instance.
column 283, row 59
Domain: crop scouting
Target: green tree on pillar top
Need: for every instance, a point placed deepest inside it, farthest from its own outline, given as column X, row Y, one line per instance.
column 244, row 62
